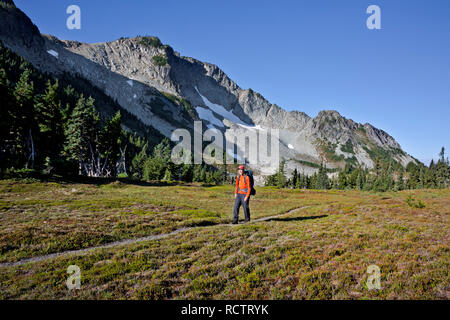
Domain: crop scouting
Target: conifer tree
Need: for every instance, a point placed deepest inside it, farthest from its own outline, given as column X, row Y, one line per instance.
column 322, row 178
column 223, row 173
column 6, row 110
column 400, row 185
column 187, row 172
column 300, row 181
column 442, row 155
column 313, row 181
column 294, row 178
column 342, row 180
column 23, row 121
column 154, row 167
column 81, row 134
column 360, row 180
column 50, row 120
column 203, row 174
column 196, row 174
column 111, row 140
column 280, row 177
column 138, row 162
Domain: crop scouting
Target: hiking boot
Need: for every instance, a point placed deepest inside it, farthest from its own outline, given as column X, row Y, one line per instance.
column 234, row 222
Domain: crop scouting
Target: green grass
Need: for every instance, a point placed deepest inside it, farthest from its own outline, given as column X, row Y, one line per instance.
column 348, row 147
column 160, row 60
column 151, row 42
column 413, row 203
column 319, row 252
column 178, row 101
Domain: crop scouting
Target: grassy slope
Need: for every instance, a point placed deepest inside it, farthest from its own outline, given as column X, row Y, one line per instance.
column 319, row 252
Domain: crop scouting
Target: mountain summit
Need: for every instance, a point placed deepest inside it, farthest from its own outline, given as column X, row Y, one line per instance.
column 166, row 91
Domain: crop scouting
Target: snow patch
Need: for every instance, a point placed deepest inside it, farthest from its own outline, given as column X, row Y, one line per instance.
column 235, row 156
column 53, row 53
column 290, row 146
column 130, row 82
column 207, row 115
column 220, row 110
column 256, row 127
column 135, row 96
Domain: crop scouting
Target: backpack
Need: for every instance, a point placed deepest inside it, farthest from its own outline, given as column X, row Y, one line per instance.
column 252, row 182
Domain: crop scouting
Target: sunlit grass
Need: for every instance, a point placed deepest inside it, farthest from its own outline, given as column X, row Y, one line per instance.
column 321, row 251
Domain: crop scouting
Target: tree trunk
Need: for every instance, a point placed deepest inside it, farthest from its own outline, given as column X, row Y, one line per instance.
column 31, row 150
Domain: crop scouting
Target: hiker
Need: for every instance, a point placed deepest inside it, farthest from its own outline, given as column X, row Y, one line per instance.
column 242, row 195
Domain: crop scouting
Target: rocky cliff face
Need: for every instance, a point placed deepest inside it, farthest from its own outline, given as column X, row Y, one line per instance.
column 167, row 91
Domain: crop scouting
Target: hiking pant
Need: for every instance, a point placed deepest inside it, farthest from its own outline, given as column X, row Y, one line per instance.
column 245, row 204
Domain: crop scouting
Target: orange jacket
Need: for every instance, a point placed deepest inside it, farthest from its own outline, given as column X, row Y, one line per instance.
column 243, row 185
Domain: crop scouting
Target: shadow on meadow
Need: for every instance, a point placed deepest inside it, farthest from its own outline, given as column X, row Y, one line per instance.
column 298, row 218
column 36, row 176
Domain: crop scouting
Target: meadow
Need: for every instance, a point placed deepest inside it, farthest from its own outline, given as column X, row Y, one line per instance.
column 300, row 244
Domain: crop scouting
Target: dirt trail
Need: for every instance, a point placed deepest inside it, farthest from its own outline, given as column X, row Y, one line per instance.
column 131, row 241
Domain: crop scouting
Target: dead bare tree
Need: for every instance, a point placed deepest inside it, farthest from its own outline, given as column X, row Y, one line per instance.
column 122, row 161
column 96, row 167
column 31, row 151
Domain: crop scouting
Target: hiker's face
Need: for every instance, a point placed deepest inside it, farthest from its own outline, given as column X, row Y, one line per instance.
column 241, row 171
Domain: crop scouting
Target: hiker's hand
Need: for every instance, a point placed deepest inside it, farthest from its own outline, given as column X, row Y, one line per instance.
column 246, row 198
column 235, row 195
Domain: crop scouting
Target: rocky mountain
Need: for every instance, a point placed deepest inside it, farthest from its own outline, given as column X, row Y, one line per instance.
column 165, row 91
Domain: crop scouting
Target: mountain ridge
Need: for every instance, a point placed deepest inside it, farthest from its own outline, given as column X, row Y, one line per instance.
column 149, row 80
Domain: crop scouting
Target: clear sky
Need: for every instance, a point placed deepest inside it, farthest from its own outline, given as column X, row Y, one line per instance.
column 306, row 55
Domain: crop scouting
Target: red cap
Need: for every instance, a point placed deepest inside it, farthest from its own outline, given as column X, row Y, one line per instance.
column 241, row 167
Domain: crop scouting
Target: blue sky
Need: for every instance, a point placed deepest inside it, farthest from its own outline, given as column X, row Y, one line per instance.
column 302, row 55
